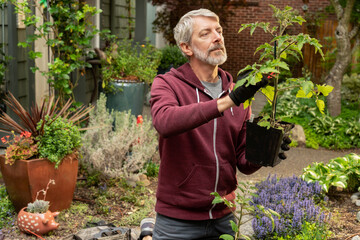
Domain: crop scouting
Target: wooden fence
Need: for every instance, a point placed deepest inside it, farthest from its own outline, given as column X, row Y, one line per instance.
column 313, row 61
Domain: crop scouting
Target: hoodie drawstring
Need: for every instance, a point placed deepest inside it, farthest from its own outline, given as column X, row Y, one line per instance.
column 197, row 95
column 231, row 109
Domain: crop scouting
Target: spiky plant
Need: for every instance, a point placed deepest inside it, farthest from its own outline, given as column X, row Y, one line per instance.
column 28, row 120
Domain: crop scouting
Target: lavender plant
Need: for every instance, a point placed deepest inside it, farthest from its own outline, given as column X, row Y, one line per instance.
column 294, row 200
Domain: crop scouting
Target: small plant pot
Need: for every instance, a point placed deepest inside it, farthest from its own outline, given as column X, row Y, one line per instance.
column 38, row 223
column 263, row 145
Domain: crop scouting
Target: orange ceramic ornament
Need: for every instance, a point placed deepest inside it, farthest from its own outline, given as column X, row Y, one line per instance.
column 38, row 223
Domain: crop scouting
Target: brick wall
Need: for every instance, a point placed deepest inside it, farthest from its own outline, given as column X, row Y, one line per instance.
column 241, row 46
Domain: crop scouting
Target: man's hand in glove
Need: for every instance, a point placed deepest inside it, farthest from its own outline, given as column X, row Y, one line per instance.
column 243, row 93
column 285, row 147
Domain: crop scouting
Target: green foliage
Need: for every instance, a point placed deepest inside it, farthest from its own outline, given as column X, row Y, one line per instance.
column 7, row 210
column 172, row 57
column 341, row 172
column 38, row 206
column 351, row 88
column 341, row 132
column 4, row 62
column 311, row 231
column 70, row 23
column 60, row 137
column 273, row 57
column 152, row 169
column 130, row 61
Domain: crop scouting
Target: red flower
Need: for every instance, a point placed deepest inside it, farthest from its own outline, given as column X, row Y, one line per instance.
column 3, row 139
column 139, row 119
column 26, row 134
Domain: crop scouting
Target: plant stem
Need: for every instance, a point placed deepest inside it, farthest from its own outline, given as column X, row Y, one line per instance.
column 273, row 118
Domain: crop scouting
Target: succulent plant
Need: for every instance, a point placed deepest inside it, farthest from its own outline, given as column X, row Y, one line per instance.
column 38, row 206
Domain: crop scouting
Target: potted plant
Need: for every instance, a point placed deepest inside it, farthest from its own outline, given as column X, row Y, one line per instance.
column 127, row 70
column 265, row 135
column 36, row 218
column 43, row 146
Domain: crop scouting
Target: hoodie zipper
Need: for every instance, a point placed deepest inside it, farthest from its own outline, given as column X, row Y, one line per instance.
column 214, row 149
column 217, row 166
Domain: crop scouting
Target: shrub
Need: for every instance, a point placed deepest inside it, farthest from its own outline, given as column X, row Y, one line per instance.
column 350, row 90
column 7, row 211
column 60, row 137
column 171, row 57
column 115, row 144
column 293, row 199
column 341, row 172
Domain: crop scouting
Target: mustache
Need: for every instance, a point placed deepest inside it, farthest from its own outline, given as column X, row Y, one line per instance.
column 216, row 47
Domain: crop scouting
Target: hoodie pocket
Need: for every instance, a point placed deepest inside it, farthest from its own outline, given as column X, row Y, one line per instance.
column 195, row 188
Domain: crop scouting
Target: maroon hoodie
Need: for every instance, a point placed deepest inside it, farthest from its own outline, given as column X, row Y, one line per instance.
column 199, row 147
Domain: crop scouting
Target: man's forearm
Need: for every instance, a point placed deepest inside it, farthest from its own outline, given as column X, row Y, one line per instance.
column 225, row 103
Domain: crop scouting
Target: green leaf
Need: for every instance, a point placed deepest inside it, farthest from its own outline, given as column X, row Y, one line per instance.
column 234, row 226
column 226, row 237
column 268, row 91
column 301, row 94
column 283, row 55
column 324, row 89
column 282, row 65
column 321, row 105
column 307, row 86
column 253, row 27
column 264, row 124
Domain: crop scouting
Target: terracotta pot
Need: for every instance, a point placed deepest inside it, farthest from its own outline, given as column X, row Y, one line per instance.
column 39, row 223
column 25, row 178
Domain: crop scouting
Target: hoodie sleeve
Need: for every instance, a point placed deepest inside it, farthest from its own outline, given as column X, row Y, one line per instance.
column 169, row 118
column 244, row 165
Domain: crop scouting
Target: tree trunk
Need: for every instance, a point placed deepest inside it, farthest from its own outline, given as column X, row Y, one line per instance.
column 343, row 58
column 337, row 72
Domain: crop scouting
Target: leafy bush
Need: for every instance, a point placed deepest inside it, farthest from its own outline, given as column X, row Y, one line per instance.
column 115, row 144
column 293, row 199
column 60, row 138
column 341, row 172
column 339, row 132
column 350, row 90
column 7, row 210
column 172, row 57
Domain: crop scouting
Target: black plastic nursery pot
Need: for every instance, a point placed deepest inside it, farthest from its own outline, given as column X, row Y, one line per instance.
column 263, row 145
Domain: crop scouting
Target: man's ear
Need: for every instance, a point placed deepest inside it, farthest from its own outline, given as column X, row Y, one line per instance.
column 186, row 49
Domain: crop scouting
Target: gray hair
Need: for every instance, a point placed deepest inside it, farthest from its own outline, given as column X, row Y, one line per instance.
column 184, row 29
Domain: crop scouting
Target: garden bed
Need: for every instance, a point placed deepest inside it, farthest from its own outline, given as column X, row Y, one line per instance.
column 125, row 206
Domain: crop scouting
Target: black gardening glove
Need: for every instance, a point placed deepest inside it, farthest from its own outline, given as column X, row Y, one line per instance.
column 243, row 93
column 285, row 147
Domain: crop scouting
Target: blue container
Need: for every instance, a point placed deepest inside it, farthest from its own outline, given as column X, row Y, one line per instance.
column 129, row 95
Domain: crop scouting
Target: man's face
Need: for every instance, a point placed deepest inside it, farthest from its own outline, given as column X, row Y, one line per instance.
column 207, row 41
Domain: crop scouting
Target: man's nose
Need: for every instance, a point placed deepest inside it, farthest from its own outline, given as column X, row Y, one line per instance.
column 217, row 36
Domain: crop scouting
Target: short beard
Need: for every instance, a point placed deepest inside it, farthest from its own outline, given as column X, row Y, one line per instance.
column 205, row 56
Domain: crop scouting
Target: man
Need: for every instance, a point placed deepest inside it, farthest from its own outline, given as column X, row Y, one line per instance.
column 202, row 135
